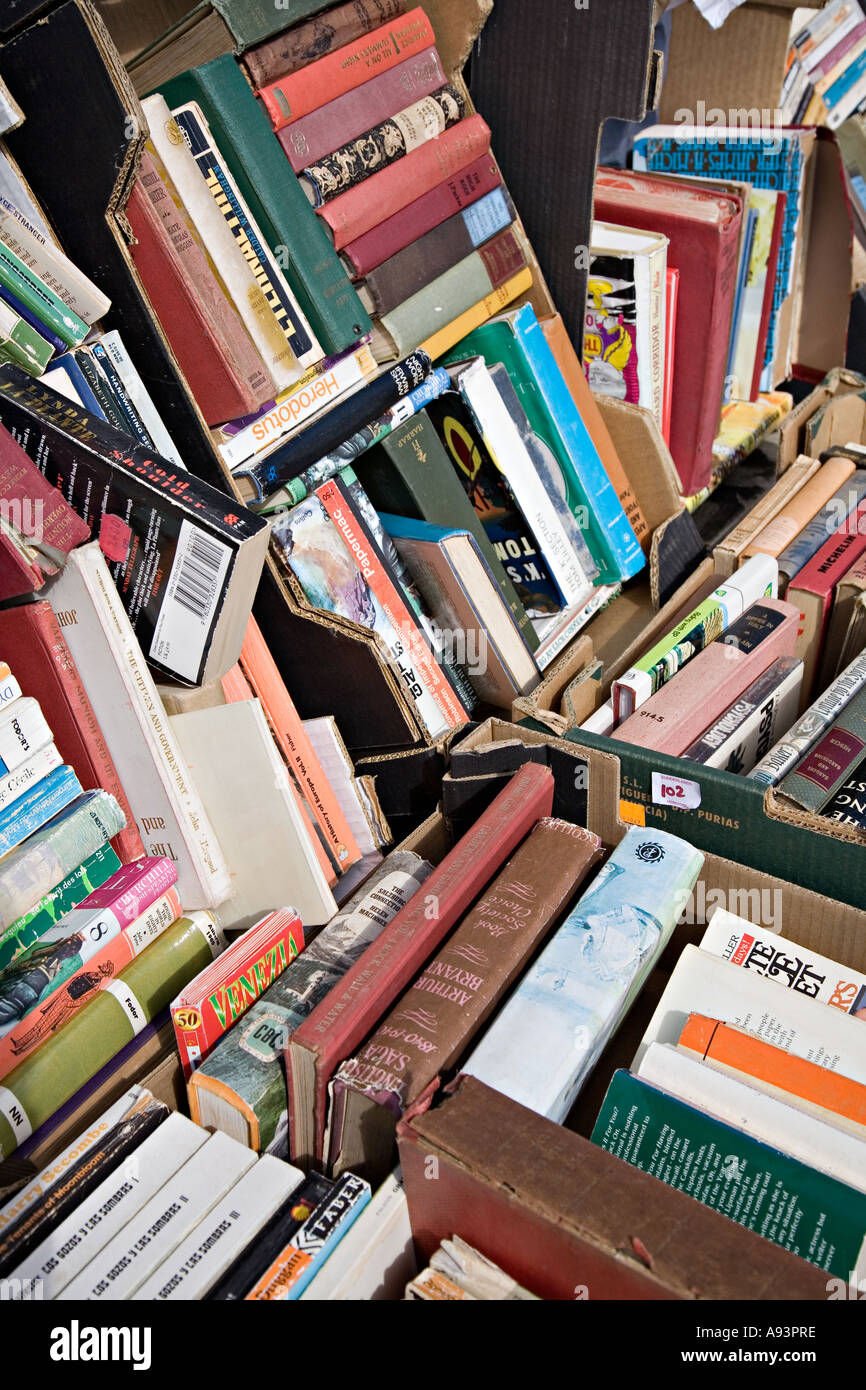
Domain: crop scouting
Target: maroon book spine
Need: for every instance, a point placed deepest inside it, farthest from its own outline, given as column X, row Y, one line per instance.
column 323, row 33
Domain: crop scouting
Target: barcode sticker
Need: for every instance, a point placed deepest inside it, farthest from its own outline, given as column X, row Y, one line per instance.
column 191, row 598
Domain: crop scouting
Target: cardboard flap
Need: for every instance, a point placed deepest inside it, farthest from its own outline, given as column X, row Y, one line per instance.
column 677, row 548
column 457, row 24
column 823, row 329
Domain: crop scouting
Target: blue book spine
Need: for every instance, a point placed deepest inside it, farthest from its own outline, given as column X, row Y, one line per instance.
column 819, row 530
column 742, row 281
column 81, row 384
column 626, row 557
column 37, row 807
column 491, row 214
column 322, row 1232
column 23, row 312
column 843, row 84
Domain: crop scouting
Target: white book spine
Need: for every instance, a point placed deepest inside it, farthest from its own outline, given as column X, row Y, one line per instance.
column 148, row 1239
column 233, row 269
column 51, row 265
column 71, row 1245
column 767, row 1118
column 807, row 731
column 754, row 733
column 375, row 1259
column 551, row 649
column 23, row 732
column 503, row 440
column 601, row 722
column 200, row 1260
column 140, row 397
column 166, row 805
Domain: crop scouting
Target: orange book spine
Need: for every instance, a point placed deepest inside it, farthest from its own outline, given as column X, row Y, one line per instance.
column 778, row 534
column 731, row 1047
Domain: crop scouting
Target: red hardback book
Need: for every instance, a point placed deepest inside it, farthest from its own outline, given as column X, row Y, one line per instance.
column 290, row 98
column 332, row 126
column 769, row 293
column 342, row 1021
column 703, row 230
column 197, row 319
column 40, row 515
column 34, row 646
column 363, row 207
column 812, row 591
column 467, row 186
column 671, row 304
column 683, row 709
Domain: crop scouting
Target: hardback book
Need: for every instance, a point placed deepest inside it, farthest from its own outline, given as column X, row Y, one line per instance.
column 463, row 190
column 68, row 1178
column 846, row 629
column 357, row 211
column 445, row 299
column 848, row 806
column 517, row 341
column 47, row 261
column 336, row 1027
column 409, row 474
column 37, row 807
column 79, row 830
column 66, row 1061
column 682, row 710
column 441, row 342
column 311, row 35
column 803, row 508
column 70, row 962
column 376, row 1258
column 338, row 72
column 798, row 554
column 771, row 1119
column 571, row 368
column 258, row 1257
column 472, row 617
column 749, row 348
column 813, row 588
column 44, row 522
column 437, row 1019
column 225, row 372
column 241, row 1087
column 34, row 294
column 386, row 142
column 703, row 231
column 764, row 1190
column 743, row 735
column 671, row 312
column 331, row 126
column 140, row 397
column 623, row 340
column 309, row 1248
column 61, row 897
column 289, row 458
column 32, row 636
column 246, row 790
column 158, row 1227
column 548, row 1037
column 824, row 770
column 165, row 803
column 712, row 617
column 213, row 1002
column 220, row 1238
column 73, row 1242
column 254, row 157
column 818, row 718
column 191, row 624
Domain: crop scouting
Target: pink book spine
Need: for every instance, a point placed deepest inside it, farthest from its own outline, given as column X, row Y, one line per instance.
column 671, row 720
column 351, row 115
column 133, row 889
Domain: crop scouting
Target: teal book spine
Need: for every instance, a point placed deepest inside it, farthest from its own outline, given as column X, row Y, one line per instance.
column 295, row 235
column 40, row 299
column 253, row 21
column 806, row 1212
column 518, row 342
column 60, row 899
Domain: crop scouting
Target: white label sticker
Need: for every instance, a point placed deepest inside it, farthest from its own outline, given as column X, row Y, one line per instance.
column 128, row 1002
column 191, row 598
column 676, row 791
column 12, row 1110
column 210, row 930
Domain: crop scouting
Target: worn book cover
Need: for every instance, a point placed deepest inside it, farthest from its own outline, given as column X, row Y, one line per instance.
column 311, row 36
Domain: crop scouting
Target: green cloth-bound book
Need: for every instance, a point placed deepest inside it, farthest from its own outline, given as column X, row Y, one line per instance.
column 275, row 198
column 66, row 1061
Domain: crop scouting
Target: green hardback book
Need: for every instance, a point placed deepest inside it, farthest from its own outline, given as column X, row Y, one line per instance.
column 66, row 1061
column 827, row 767
column 409, row 474
column 62, row 898
column 275, row 198
column 812, row 1215
column 253, row 21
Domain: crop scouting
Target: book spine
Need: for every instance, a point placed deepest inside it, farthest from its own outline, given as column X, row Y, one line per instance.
column 323, row 436
column 83, row 390
column 785, row 962
column 19, row 783
column 22, row 342
column 32, row 812
column 39, row 1085
column 848, row 806
column 121, row 395
column 230, row 202
column 488, row 307
column 297, row 407
column 306, row 42
column 140, row 398
column 98, row 384
column 43, row 513
column 384, row 144
column 819, row 775
column 32, row 291
column 814, row 536
column 62, row 898
column 55, row 270
column 803, row 737
column 744, row 733
column 23, row 732
column 549, row 650
column 308, row 140
column 465, row 190
column 100, row 952
column 308, row 1250
column 360, row 209
column 303, row 91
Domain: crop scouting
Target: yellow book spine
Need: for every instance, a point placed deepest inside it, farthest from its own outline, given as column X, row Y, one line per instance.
column 473, row 318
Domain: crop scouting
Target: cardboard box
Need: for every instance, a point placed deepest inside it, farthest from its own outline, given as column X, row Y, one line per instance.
column 810, row 427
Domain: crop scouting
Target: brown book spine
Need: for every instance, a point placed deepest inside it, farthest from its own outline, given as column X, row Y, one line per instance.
column 321, row 34
column 436, row 1019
